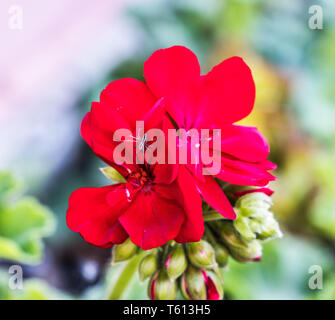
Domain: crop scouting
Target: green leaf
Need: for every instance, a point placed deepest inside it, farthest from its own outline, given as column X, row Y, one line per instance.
column 22, row 227
column 113, row 174
column 9, row 185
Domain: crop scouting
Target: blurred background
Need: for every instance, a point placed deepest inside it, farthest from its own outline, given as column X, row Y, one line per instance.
column 55, row 59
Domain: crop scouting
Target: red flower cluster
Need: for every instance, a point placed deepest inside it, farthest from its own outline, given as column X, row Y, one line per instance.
column 161, row 202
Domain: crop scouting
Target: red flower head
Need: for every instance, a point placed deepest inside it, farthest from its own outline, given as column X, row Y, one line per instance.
column 150, row 212
column 214, row 101
column 151, row 206
column 160, row 202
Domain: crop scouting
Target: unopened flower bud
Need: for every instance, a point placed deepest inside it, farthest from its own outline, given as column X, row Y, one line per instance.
column 269, row 229
column 193, row 284
column 254, row 219
column 221, row 254
column 254, row 200
column 201, row 254
column 244, row 226
column 161, row 287
column 147, row 266
column 214, row 285
column 228, row 235
column 200, row 284
column 123, row 251
column 253, row 252
column 176, row 262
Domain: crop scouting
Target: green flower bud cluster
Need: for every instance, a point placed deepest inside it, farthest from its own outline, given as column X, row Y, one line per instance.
column 202, row 279
column 254, row 223
column 193, row 268
column 254, row 218
column 164, row 265
column 237, row 247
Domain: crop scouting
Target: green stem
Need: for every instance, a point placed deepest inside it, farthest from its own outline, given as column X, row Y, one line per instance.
column 212, row 215
column 125, row 277
column 210, row 236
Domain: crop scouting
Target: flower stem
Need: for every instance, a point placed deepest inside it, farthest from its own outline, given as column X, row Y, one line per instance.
column 212, row 215
column 209, row 235
column 125, row 277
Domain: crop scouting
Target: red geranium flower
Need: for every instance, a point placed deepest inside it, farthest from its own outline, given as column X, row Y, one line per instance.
column 160, row 202
column 152, row 206
column 148, row 211
column 214, row 101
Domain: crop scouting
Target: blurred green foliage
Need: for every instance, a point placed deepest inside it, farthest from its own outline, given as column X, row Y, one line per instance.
column 23, row 224
column 283, row 272
column 32, row 289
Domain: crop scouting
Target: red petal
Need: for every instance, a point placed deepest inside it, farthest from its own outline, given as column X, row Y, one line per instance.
column 131, row 98
column 244, row 143
column 154, row 217
column 193, row 226
column 171, row 73
column 215, row 197
column 227, row 94
column 267, row 191
column 91, row 216
column 212, row 292
column 155, row 116
column 98, row 128
column 165, row 173
column 245, row 173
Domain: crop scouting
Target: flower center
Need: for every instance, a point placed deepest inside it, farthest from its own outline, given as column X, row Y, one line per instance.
column 139, row 178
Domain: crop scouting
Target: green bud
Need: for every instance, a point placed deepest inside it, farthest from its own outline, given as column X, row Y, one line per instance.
column 228, row 235
column 161, row 287
column 201, row 254
column 123, row 251
column 147, row 266
column 254, row 200
column 201, row 284
column 214, row 286
column 176, row 262
column 253, row 252
column 254, row 219
column 193, row 285
column 221, row 254
column 245, row 226
column 269, row 229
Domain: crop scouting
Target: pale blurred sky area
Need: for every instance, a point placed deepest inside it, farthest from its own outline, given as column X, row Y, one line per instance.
column 51, row 52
